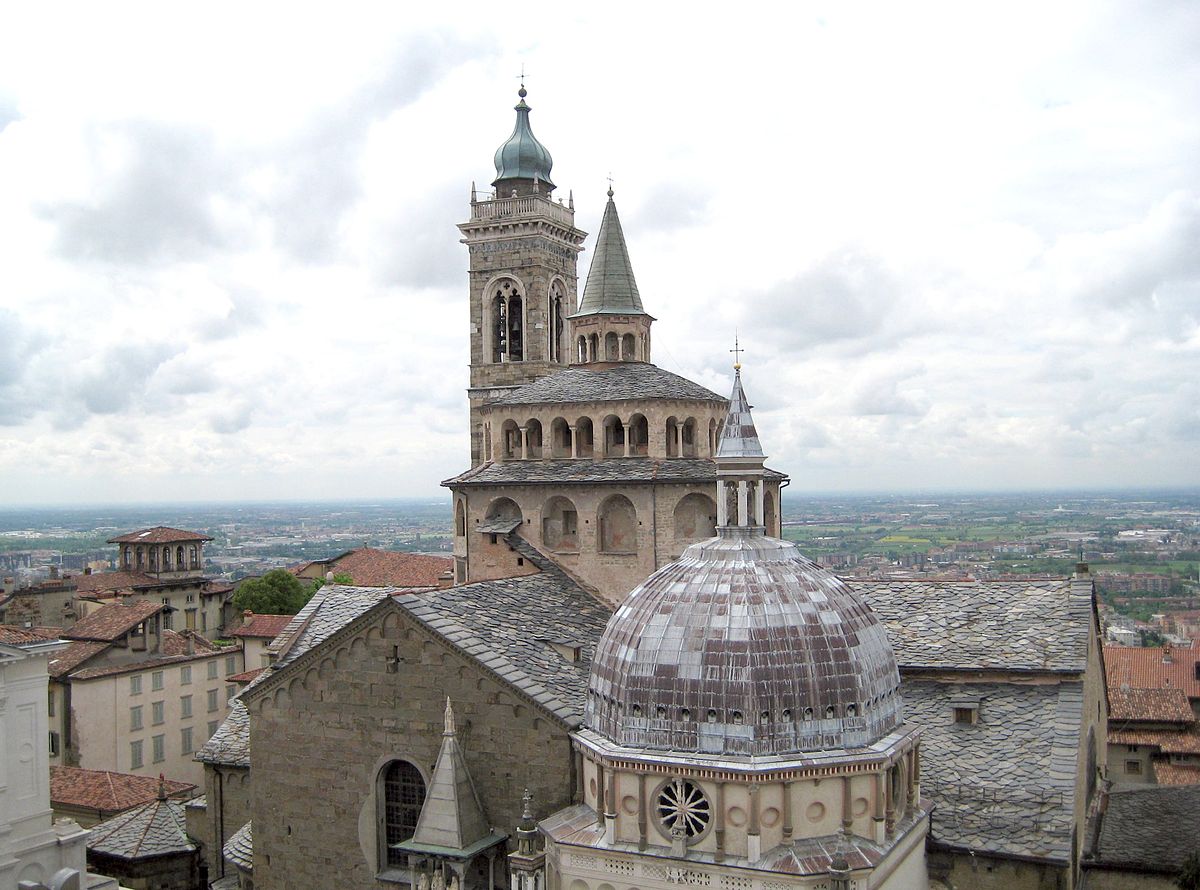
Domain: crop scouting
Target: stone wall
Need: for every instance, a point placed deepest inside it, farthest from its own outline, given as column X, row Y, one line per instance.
column 227, row 792
column 176, row 872
column 323, row 733
column 972, row 871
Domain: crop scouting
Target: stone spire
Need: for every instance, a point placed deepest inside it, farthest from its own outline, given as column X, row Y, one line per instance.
column 739, row 438
column 740, row 471
column 452, row 816
column 522, row 163
column 611, row 287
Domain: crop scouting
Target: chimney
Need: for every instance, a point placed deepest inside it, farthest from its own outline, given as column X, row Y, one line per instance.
column 87, row 570
column 1167, row 655
column 247, row 617
column 191, row 643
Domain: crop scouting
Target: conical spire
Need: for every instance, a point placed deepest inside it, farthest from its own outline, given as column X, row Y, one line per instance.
column 452, row 815
column 610, row 287
column 739, row 438
column 522, row 157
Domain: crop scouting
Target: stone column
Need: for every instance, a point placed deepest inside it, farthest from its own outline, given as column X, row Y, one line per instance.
column 524, row 443
column 610, row 814
column 753, row 835
column 642, row 811
column 760, row 510
column 743, row 517
column 722, row 504
column 719, row 822
column 625, row 436
column 787, row 813
column 890, row 810
column 600, row 794
column 574, row 441
column 877, row 816
column 847, row 804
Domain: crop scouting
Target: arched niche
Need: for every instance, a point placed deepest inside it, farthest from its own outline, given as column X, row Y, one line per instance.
column 616, row 522
column 628, row 348
column 510, row 441
column 460, row 518
column 585, row 435
column 612, row 347
column 560, row 525
column 504, row 508
column 770, row 518
column 560, row 438
column 533, row 439
column 695, row 518
column 614, row 436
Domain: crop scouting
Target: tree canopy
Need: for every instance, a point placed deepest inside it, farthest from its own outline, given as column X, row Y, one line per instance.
column 278, row 592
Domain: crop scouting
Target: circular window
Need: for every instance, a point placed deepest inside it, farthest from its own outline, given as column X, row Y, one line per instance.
column 683, row 807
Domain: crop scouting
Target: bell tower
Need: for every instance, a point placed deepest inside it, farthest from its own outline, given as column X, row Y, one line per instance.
column 523, row 247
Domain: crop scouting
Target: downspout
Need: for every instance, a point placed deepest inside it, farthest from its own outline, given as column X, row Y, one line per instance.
column 654, row 520
column 779, row 512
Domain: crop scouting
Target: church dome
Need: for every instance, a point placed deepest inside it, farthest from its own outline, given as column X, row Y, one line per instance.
column 743, row 646
column 522, row 156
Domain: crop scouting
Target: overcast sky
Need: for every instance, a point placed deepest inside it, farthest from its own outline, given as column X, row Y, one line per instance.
column 960, row 243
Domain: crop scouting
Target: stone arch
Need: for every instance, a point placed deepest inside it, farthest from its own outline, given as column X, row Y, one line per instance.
column 638, row 434
column 614, row 436
column 612, row 347
column 400, row 795
column 687, row 438
column 560, row 524
column 533, row 439
column 712, row 437
column 556, row 313
column 585, row 435
column 504, row 508
column 617, row 525
column 594, row 348
column 769, row 517
column 506, row 319
column 581, row 350
column 560, row 438
column 460, row 517
column 695, row 518
column 672, row 430
column 628, row 348
column 510, row 441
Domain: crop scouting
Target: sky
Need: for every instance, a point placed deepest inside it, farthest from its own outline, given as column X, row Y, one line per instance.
column 960, row 243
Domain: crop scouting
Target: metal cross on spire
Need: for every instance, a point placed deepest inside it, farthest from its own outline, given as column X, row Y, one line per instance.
column 737, row 353
column 610, row 188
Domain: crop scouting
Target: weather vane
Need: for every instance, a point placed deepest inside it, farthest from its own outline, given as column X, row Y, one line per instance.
column 737, row 353
column 521, row 77
column 610, row 190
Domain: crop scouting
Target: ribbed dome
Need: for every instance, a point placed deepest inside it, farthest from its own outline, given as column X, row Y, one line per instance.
column 522, row 156
column 743, row 646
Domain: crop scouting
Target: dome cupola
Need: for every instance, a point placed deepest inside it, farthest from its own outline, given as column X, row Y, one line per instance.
column 743, row 646
column 522, row 163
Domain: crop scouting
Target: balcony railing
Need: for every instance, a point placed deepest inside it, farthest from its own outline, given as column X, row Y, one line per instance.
column 526, row 205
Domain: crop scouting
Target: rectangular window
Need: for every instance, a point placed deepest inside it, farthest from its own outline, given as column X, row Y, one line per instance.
column 230, row 665
column 156, row 680
column 156, row 713
column 1133, row 767
column 185, row 706
column 160, row 748
column 135, row 718
column 212, row 700
column 212, row 669
column 966, row 715
column 212, row 727
column 185, row 675
column 203, row 621
column 230, row 691
column 135, row 684
column 50, row 704
column 54, row 744
column 191, row 619
column 135, row 755
column 185, row 741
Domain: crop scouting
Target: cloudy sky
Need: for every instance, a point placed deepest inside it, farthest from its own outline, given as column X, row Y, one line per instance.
column 960, row 242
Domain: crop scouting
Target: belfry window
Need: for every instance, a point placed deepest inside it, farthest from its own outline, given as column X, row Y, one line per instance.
column 557, row 326
column 507, row 323
column 403, row 797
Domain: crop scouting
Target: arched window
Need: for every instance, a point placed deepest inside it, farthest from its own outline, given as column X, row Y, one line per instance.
column 560, row 438
column 179, row 563
column 687, row 438
column 510, row 441
column 583, row 432
column 612, row 347
column 195, row 558
column 533, row 436
column 614, row 436
column 672, row 437
column 126, row 557
column 581, row 349
column 460, row 519
column 639, row 435
column 557, row 327
column 507, row 322
column 594, row 348
column 141, row 558
column 628, row 348
column 403, row 797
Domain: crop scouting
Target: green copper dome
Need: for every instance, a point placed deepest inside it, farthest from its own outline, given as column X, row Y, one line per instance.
column 522, row 156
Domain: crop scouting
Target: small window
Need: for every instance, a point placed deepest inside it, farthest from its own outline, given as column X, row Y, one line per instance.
column 213, row 725
column 230, row 691
column 711, row 716
column 156, row 712
column 55, row 745
column 830, row 712
column 808, row 713
column 159, row 743
column 851, row 710
column 1133, row 767
column 185, row 706
column 156, row 680
column 764, row 717
column 185, row 741
column 636, row 710
column 230, row 665
column 135, row 754
column 685, row 714
column 185, row 675
column 212, row 670
column 737, row 718
column 135, row 718
column 212, row 700
column 50, row 704
column 135, row 684
column 966, row 715
column 787, row 715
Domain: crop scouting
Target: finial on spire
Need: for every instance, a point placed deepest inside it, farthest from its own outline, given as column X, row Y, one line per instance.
column 610, row 188
column 737, row 353
column 449, row 718
column 521, row 92
column 527, row 800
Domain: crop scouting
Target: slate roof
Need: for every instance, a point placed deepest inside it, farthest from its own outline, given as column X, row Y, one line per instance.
column 371, row 567
column 610, row 288
column 1144, row 667
column 112, row 621
column 1150, row 828
column 239, row 849
column 506, row 625
column 1006, row 625
column 97, row 789
column 1149, row 706
column 623, row 382
column 266, row 627
column 613, row 470
column 160, row 534
column 157, row 828
column 230, row 744
column 1006, row 783
column 739, row 438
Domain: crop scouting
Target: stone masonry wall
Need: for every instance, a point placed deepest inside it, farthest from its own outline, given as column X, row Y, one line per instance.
column 228, row 798
column 324, row 733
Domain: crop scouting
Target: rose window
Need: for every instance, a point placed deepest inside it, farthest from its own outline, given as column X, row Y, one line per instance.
column 683, row 807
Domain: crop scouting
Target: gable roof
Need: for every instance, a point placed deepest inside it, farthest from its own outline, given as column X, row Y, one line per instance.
column 96, row 789
column 1150, row 828
column 98, row 581
column 156, row 828
column 1148, row 705
column 1022, row 625
column 66, row 660
column 372, row 567
column 266, row 627
column 160, row 534
column 14, row 635
column 112, row 621
column 625, row 381
column 1154, row 667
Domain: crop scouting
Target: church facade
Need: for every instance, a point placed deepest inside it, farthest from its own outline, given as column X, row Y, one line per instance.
column 836, row 735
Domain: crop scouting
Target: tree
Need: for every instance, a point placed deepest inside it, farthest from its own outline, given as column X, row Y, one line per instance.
column 1189, row 875
column 338, row 578
column 278, row 592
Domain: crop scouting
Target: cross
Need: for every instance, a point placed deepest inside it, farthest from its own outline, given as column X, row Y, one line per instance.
column 737, row 353
column 522, row 76
column 610, row 191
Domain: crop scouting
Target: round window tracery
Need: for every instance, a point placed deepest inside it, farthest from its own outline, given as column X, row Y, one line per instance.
column 683, row 807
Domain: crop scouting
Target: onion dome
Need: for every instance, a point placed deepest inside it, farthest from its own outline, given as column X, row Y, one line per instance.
column 743, row 646
column 522, row 157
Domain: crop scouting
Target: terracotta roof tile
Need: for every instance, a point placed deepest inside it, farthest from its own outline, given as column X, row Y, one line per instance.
column 19, row 636
column 1166, row 740
column 1145, row 668
column 112, row 621
column 1149, row 705
column 105, row 790
column 245, row 676
column 100, row 581
column 369, row 567
column 151, row 663
column 266, row 627
column 66, row 660
column 1176, row 773
column 160, row 534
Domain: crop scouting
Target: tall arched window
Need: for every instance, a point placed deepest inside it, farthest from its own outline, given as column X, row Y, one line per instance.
column 557, row 327
column 403, row 797
column 179, row 563
column 507, row 322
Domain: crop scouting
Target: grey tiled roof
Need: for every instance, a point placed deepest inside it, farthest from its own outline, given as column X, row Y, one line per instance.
column 613, row 470
column 627, row 381
column 230, row 744
column 1152, row 828
column 506, row 626
column 1009, row 625
column 611, row 287
column 739, row 438
column 1006, row 783
column 153, row 829
column 239, row 849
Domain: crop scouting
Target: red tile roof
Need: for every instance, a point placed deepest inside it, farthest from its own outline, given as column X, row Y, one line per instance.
column 66, row 660
column 369, row 567
column 1145, row 668
column 1176, row 773
column 245, row 676
column 112, row 621
column 176, row 643
column 1149, row 705
column 1167, row 741
column 108, row 791
column 160, row 534
column 266, row 627
column 21, row 636
column 152, row 663
column 98, row 581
